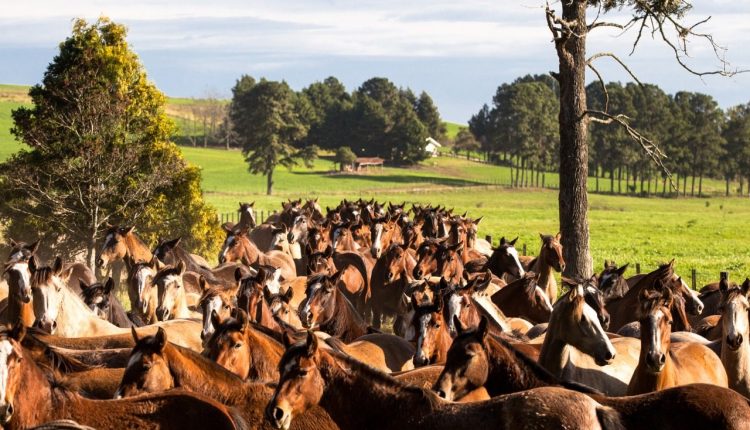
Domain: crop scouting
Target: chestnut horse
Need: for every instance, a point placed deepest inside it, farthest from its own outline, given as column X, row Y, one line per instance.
column 430, row 332
column 735, row 335
column 662, row 364
column 31, row 396
column 238, row 247
column 577, row 348
column 250, row 299
column 434, row 258
column 390, row 278
column 524, row 298
column 246, row 349
column 20, row 307
column 326, row 309
column 157, row 365
column 341, row 385
column 121, row 243
column 550, row 260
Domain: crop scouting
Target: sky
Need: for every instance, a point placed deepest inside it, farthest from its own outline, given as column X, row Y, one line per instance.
column 459, row 52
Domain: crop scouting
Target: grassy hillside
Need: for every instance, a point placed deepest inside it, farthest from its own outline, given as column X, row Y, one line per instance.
column 451, row 129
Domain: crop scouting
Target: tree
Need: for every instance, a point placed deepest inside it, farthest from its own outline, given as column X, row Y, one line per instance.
column 344, row 157
column 268, row 124
column 428, row 113
column 465, row 141
column 99, row 153
column 737, row 135
column 661, row 18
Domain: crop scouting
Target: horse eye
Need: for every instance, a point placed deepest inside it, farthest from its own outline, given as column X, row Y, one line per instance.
column 226, row 306
column 237, row 345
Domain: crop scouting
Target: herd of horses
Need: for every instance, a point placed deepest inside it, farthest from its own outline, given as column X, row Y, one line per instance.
column 365, row 316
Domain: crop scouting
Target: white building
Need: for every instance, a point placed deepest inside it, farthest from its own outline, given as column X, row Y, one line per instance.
column 432, row 146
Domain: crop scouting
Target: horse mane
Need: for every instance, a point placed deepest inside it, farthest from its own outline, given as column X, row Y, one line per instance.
column 163, row 273
column 56, row 359
column 42, row 275
column 89, row 293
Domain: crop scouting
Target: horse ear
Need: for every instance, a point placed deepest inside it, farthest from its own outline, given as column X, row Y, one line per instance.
column 312, row 344
column 228, row 227
column 438, row 302
column 267, row 293
column 460, row 329
column 181, row 267
column 83, row 285
column 482, row 328
column 478, row 220
column 174, row 242
column 513, row 242
column 443, row 284
column 237, row 274
column 503, row 241
column 288, row 295
column 108, row 286
column 287, row 340
column 558, row 236
column 13, row 243
column 622, row 269
column 335, row 278
column 724, row 285
column 746, row 286
column 242, row 318
column 135, row 334
column 57, row 267
column 127, row 230
column 203, row 283
column 18, row 332
column 33, row 247
column 328, row 252
column 161, row 338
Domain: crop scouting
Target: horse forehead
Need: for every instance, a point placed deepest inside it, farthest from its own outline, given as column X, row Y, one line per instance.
column 136, row 357
column 230, row 239
column 6, row 348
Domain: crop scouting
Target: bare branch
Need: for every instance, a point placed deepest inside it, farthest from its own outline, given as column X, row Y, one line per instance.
column 616, row 58
column 606, row 24
column 604, row 86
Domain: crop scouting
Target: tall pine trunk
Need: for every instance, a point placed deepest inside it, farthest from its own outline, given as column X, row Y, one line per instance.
column 574, row 154
column 700, row 185
column 612, row 181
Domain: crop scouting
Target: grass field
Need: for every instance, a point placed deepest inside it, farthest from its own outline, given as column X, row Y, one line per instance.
column 708, row 234
column 451, row 129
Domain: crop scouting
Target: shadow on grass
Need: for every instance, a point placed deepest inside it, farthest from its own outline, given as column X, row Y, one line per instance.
column 398, row 179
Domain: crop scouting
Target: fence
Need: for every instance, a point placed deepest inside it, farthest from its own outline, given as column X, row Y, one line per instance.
column 234, row 217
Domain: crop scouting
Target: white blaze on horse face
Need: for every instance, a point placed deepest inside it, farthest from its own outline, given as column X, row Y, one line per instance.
column 274, row 283
column 697, row 303
column 24, row 277
column 227, row 244
column 514, row 253
column 424, row 320
column 591, row 319
column 6, row 351
column 143, row 277
column 249, row 210
column 541, row 292
column 376, row 245
column 336, row 235
column 276, row 240
column 16, row 256
column 455, row 305
column 736, row 319
column 305, row 311
column 656, row 332
column 208, row 326
column 48, row 301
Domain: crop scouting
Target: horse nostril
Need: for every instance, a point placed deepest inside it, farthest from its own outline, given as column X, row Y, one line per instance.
column 99, row 262
column 278, row 414
column 441, row 394
column 662, row 359
column 54, row 325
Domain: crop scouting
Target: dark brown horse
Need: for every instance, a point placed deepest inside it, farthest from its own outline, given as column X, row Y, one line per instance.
column 32, row 396
column 612, row 282
column 390, row 279
column 248, row 350
column 157, row 365
column 100, row 298
column 430, row 332
column 341, row 385
column 524, row 298
column 326, row 309
column 505, row 260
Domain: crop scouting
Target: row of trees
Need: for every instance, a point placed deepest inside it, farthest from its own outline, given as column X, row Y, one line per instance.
column 520, row 129
column 276, row 126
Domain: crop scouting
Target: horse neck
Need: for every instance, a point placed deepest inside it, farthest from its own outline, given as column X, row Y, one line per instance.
column 443, row 344
column 19, row 311
column 508, row 373
column 250, row 252
column 264, row 354
column 348, row 387
column 136, row 249
column 266, row 317
column 181, row 307
column 644, row 381
column 554, row 354
column 344, row 321
column 75, row 319
column 546, row 276
column 197, row 373
column 33, row 401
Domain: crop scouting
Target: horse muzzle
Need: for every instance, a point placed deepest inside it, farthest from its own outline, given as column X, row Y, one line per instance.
column 48, row 327
column 100, row 262
column 734, row 342
column 162, row 314
column 6, row 413
column 278, row 418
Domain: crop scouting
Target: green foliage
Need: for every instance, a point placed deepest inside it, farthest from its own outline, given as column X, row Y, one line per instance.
column 428, row 113
column 344, row 157
column 99, row 151
column 465, row 141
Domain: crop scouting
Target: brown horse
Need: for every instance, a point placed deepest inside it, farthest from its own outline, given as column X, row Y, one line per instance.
column 217, row 300
column 524, row 298
column 170, row 294
column 101, row 300
column 31, row 396
column 390, row 278
column 238, row 247
column 121, row 243
column 478, row 360
column 248, row 350
column 593, row 359
column 326, row 309
column 437, row 259
column 505, row 260
column 735, row 349
column 141, row 291
column 612, row 282
column 250, row 298
column 550, row 260
column 341, row 385
column 663, row 365
column 20, row 307
column 430, row 332
column 157, row 365
column 280, row 305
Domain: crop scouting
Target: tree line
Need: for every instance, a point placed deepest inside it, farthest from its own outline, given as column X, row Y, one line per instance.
column 520, row 129
column 277, row 126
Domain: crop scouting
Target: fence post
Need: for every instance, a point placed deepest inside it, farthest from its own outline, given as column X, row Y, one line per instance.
column 695, row 282
column 637, row 268
column 262, row 216
column 724, row 275
column 488, row 238
column 524, row 249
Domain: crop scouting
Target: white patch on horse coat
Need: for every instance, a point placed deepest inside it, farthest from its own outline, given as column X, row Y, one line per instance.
column 6, row 349
column 313, row 289
column 455, row 304
column 514, row 253
column 423, row 321
column 213, row 305
column 16, row 256
column 227, row 244
column 24, row 278
column 546, row 297
column 134, row 359
column 593, row 318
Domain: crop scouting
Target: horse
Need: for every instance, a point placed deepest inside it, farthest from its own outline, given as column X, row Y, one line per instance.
column 662, row 364
column 246, row 349
column 612, row 282
column 524, row 298
column 172, row 302
column 169, row 252
column 381, row 351
column 21, row 251
column 390, row 278
column 505, row 260
column 312, row 376
column 280, row 305
column 430, row 332
column 157, row 365
column 101, row 300
column 735, row 328
column 593, row 360
column 250, row 298
column 437, row 259
column 141, row 292
column 550, row 260
column 477, row 359
column 326, row 309
column 32, row 396
column 121, row 243
column 624, row 310
column 217, row 300
column 20, row 307
column 384, row 232
column 356, row 272
column 464, row 231
column 238, row 247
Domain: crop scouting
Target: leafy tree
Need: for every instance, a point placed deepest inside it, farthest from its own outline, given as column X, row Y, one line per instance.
column 465, row 141
column 428, row 113
column 480, row 126
column 269, row 127
column 737, row 135
column 345, row 157
column 99, row 152
column 330, row 103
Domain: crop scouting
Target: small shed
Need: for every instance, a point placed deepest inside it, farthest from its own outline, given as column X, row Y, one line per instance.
column 431, row 147
column 362, row 163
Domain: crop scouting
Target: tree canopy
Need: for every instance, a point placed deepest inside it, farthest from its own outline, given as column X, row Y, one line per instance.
column 100, row 152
